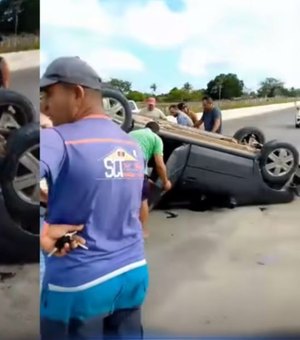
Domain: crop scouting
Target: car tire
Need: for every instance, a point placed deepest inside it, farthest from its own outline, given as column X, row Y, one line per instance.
column 278, row 162
column 297, row 126
column 243, row 135
column 16, row 246
column 117, row 96
column 22, row 159
column 24, row 111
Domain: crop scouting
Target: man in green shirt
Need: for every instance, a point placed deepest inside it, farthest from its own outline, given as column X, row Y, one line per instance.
column 152, row 146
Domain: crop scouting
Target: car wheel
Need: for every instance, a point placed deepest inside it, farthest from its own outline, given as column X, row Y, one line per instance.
column 297, row 126
column 278, row 162
column 15, row 111
column 16, row 246
column 250, row 136
column 119, row 109
column 20, row 177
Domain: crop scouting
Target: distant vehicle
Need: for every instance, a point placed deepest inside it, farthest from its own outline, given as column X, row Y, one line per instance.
column 110, row 106
column 134, row 108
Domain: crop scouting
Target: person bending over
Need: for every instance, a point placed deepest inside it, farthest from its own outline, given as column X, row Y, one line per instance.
column 152, row 147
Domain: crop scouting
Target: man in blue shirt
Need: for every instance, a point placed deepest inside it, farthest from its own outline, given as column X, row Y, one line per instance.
column 181, row 117
column 94, row 172
column 211, row 117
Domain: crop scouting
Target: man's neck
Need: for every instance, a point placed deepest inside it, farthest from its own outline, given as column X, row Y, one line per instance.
column 91, row 111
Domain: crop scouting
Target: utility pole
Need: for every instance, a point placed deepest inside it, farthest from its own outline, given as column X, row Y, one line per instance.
column 220, row 90
column 17, row 6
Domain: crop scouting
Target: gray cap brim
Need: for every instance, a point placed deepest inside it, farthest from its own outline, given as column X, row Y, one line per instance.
column 45, row 82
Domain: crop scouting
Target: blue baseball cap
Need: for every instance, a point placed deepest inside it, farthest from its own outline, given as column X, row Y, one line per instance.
column 71, row 70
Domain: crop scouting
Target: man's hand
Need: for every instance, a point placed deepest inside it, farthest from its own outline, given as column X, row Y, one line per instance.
column 43, row 196
column 51, row 233
column 167, row 185
column 198, row 124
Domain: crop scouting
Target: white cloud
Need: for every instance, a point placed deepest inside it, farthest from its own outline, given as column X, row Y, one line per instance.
column 157, row 26
column 106, row 61
column 87, row 15
column 195, row 61
column 109, row 62
column 76, row 27
column 251, row 37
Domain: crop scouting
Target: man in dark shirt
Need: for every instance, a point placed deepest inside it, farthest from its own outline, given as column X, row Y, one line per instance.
column 211, row 117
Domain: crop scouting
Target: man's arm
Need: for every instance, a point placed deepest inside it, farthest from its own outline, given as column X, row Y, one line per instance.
column 52, row 154
column 217, row 121
column 189, row 121
column 5, row 73
column 200, row 122
column 194, row 117
column 161, row 168
column 160, row 164
column 162, row 115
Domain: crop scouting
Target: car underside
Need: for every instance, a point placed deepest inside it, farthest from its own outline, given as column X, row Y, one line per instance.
column 240, row 171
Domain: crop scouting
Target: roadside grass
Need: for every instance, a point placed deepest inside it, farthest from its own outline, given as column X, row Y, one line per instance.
column 229, row 104
column 18, row 43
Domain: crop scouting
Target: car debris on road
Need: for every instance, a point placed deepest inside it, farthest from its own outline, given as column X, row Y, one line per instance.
column 6, row 276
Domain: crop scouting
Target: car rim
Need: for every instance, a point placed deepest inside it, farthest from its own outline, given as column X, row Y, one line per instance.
column 8, row 121
column 115, row 110
column 280, row 162
column 250, row 139
column 26, row 181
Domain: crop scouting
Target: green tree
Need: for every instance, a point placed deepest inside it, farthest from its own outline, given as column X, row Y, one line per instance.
column 19, row 16
column 196, row 95
column 122, row 85
column 29, row 18
column 176, row 95
column 271, row 87
column 136, row 96
column 225, row 86
column 187, row 87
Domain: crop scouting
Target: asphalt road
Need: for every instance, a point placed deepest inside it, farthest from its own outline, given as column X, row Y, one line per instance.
column 19, row 295
column 276, row 125
column 228, row 272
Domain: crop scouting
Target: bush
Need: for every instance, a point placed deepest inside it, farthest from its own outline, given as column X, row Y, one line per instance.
column 19, row 43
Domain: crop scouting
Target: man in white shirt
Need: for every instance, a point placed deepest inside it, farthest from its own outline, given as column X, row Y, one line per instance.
column 152, row 111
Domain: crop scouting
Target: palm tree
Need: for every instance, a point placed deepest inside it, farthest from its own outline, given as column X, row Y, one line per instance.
column 153, row 87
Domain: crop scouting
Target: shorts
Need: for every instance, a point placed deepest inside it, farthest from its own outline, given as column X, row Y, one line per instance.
column 146, row 189
column 112, row 308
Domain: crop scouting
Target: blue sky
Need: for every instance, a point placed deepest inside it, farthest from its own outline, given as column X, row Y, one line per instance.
column 170, row 42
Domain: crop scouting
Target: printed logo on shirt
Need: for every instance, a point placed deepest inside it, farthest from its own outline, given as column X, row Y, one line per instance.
column 120, row 164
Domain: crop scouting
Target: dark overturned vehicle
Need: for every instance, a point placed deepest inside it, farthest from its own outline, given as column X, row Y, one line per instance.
column 243, row 169
column 234, row 171
column 19, row 179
